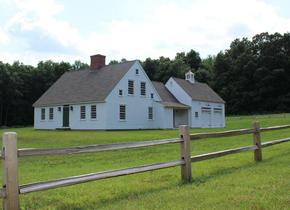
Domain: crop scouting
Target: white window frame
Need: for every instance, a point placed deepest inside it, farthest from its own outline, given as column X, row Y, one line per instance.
column 93, row 112
column 83, row 112
column 150, row 113
column 142, row 89
column 121, row 92
column 122, row 112
column 42, row 114
column 217, row 109
column 206, row 109
column 51, row 113
column 130, row 88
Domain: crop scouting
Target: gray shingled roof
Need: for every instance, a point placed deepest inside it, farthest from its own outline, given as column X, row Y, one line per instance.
column 168, row 100
column 199, row 91
column 84, row 85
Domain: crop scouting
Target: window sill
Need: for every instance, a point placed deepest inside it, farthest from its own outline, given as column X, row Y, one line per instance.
column 122, row 120
column 94, row 119
column 130, row 94
column 82, row 119
column 150, row 119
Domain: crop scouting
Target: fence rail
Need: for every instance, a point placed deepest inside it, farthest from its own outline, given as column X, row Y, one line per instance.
column 93, row 148
column 95, row 176
column 10, row 154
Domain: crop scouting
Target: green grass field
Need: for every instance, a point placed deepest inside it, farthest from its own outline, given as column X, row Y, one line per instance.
column 230, row 182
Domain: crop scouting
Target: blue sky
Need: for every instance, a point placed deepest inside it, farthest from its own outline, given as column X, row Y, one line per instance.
column 34, row 30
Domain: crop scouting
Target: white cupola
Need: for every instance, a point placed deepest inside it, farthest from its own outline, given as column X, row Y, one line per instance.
column 189, row 76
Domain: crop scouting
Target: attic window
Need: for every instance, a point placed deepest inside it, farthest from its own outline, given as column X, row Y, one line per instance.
column 137, row 71
column 143, row 88
column 120, row 92
column 130, row 87
column 152, row 95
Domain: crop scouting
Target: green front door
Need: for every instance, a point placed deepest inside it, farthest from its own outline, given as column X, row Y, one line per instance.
column 65, row 120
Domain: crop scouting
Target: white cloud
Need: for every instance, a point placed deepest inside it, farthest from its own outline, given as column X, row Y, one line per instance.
column 40, row 17
column 207, row 26
column 4, row 38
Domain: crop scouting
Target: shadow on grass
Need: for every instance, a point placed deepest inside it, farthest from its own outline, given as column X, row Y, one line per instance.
column 197, row 181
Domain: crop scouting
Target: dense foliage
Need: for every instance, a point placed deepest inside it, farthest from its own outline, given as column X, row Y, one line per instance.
column 21, row 85
column 252, row 76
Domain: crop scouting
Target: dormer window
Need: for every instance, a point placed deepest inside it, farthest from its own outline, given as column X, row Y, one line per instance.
column 137, row 71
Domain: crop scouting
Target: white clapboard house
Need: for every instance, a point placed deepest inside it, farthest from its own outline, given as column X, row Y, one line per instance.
column 121, row 96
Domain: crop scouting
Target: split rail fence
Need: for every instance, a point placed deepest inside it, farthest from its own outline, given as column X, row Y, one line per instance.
column 10, row 154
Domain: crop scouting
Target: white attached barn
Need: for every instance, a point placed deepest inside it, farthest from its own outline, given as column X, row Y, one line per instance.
column 121, row 96
column 207, row 109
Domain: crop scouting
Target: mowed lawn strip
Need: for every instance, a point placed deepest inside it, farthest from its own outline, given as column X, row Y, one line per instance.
column 231, row 182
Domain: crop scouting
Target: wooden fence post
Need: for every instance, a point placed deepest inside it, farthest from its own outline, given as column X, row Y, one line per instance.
column 185, row 153
column 257, row 141
column 10, row 176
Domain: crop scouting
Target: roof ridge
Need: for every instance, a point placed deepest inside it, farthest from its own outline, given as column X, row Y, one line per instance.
column 199, row 91
column 190, row 82
column 88, row 69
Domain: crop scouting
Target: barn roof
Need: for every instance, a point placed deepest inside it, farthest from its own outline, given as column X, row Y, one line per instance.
column 84, row 85
column 199, row 91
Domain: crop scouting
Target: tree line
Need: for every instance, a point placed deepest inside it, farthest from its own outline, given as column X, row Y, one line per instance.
column 252, row 76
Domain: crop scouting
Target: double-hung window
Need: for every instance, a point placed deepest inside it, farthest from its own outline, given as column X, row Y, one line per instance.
column 51, row 113
column 83, row 112
column 150, row 113
column 93, row 112
column 130, row 87
column 143, row 88
column 43, row 114
column 122, row 112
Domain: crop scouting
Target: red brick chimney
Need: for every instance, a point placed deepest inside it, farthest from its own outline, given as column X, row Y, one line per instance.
column 97, row 61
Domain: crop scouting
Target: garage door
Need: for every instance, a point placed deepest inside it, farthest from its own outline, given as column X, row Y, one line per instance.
column 205, row 117
column 217, row 117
